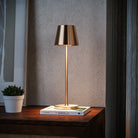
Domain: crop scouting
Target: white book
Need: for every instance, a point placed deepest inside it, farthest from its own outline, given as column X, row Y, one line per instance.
column 81, row 111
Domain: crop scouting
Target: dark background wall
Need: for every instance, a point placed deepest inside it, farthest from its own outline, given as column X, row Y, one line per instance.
column 122, row 69
column 116, row 68
column 132, row 70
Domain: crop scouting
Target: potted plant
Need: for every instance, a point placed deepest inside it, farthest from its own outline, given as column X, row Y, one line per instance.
column 13, row 99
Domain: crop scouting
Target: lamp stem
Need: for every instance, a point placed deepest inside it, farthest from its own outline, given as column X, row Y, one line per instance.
column 66, row 83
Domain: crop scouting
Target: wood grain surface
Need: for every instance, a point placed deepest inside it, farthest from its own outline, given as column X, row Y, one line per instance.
column 31, row 136
column 30, row 122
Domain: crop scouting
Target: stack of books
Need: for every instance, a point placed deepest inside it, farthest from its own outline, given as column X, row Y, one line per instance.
column 81, row 111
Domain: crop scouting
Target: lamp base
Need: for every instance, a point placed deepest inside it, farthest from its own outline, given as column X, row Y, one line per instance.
column 66, row 107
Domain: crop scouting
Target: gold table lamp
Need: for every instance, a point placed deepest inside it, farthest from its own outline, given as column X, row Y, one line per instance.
column 66, row 36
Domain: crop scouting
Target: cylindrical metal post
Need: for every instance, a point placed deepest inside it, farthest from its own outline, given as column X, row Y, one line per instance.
column 66, row 82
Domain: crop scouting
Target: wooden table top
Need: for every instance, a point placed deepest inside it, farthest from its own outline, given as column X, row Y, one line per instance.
column 30, row 122
column 31, row 115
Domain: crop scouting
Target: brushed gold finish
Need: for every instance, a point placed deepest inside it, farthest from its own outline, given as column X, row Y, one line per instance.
column 66, row 85
column 66, row 107
column 66, row 36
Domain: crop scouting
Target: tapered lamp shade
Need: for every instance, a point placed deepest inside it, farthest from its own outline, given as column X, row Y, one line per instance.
column 66, row 36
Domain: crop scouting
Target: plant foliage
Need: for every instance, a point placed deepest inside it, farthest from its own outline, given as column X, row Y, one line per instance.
column 13, row 91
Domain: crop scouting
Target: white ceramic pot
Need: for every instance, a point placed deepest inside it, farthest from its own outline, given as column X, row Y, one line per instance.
column 13, row 104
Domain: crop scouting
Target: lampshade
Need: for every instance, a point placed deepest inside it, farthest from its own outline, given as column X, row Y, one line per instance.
column 66, row 36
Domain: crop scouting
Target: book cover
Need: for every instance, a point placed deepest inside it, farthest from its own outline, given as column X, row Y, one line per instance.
column 81, row 111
